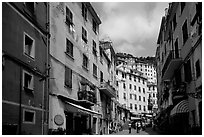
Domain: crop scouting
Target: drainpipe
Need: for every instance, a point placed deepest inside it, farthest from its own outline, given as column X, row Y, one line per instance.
column 45, row 101
column 20, row 102
column 47, row 66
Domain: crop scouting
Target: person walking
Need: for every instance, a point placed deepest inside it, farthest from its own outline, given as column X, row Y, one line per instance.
column 138, row 127
column 129, row 126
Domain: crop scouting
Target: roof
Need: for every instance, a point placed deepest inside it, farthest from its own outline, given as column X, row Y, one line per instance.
column 93, row 12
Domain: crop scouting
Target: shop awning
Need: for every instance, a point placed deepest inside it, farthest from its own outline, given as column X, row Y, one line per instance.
column 181, row 107
column 150, row 116
column 135, row 118
column 79, row 109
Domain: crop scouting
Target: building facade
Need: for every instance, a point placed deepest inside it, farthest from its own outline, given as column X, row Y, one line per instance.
column 24, row 68
column 179, row 55
column 81, row 71
column 135, row 84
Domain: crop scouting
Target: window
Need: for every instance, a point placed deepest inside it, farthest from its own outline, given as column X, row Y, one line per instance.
column 134, row 87
column 139, row 89
column 144, row 108
column 182, row 6
column 153, row 95
column 94, row 49
column 138, row 79
column 143, row 90
column 174, row 22
column 130, row 96
column 84, row 35
column 135, row 106
column 101, row 54
column 197, row 68
column 135, row 78
column 85, row 61
column 143, row 99
column 29, row 46
column 135, row 97
column 116, row 72
column 139, row 98
column 124, row 95
column 153, row 88
column 101, row 76
column 28, row 81
column 117, row 83
column 185, row 32
column 124, row 85
column 69, row 48
column 68, row 77
column 94, row 70
column 84, row 11
column 130, row 78
column 28, row 116
column 30, row 6
column 130, row 86
column 130, row 105
column 140, row 107
column 187, row 71
column 69, row 17
column 123, row 75
column 143, row 82
column 176, row 49
column 94, row 26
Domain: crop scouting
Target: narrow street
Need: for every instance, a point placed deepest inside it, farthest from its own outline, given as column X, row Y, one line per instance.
column 148, row 131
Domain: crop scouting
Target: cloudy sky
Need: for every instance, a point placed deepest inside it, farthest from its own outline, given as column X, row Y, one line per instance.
column 133, row 27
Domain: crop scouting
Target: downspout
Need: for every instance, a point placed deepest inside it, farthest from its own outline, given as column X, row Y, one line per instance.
column 47, row 66
column 20, row 102
column 45, row 104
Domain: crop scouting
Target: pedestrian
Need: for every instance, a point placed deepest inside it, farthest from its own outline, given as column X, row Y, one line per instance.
column 129, row 126
column 138, row 127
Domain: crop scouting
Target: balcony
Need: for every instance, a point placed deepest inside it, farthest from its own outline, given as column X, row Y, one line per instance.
column 173, row 61
column 87, row 97
column 179, row 92
column 107, row 89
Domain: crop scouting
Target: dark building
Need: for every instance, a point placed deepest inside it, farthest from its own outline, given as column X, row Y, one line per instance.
column 179, row 61
column 24, row 68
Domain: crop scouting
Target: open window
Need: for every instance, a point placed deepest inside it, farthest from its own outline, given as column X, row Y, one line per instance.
column 29, row 46
column 28, row 81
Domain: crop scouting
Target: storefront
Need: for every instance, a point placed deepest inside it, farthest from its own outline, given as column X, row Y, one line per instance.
column 71, row 118
column 179, row 118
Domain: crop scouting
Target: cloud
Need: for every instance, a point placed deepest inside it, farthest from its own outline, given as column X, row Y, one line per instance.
column 129, row 48
column 131, row 24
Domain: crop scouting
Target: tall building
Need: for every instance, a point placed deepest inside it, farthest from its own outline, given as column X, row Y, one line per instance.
column 81, row 74
column 136, row 85
column 24, row 68
column 179, row 61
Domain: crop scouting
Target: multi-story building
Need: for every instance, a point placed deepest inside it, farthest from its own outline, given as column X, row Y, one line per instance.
column 24, row 68
column 107, row 85
column 179, row 55
column 81, row 72
column 135, row 85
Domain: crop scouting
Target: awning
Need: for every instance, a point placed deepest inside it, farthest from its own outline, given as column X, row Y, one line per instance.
column 181, row 107
column 150, row 116
column 79, row 109
column 135, row 118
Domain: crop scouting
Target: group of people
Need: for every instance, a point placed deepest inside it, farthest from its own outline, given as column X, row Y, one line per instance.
column 138, row 125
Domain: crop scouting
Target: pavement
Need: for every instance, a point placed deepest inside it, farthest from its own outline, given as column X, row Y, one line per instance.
column 147, row 131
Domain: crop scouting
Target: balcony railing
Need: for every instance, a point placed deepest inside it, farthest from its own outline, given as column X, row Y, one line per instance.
column 107, row 89
column 87, row 96
column 173, row 61
column 179, row 92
